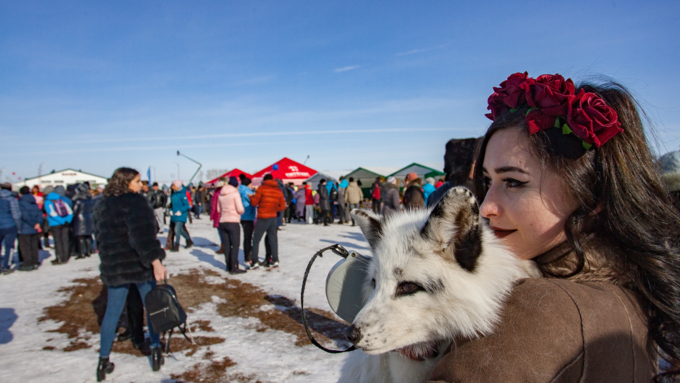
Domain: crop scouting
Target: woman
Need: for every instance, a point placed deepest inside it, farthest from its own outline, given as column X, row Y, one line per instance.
column 179, row 213
column 567, row 180
column 390, row 197
column 309, row 204
column 300, row 200
column 230, row 208
column 125, row 229
column 82, row 220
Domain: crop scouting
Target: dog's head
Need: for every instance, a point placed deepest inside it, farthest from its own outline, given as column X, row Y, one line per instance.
column 435, row 274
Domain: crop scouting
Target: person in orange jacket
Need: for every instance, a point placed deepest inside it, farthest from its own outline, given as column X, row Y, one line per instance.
column 269, row 201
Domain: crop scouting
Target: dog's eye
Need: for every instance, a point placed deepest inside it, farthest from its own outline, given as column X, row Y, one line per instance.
column 408, row 288
column 373, row 282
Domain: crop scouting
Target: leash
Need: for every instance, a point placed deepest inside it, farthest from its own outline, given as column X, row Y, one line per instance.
column 341, row 251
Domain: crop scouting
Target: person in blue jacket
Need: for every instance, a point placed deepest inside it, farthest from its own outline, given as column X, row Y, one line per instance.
column 428, row 188
column 248, row 223
column 30, row 229
column 10, row 221
column 59, row 216
column 179, row 213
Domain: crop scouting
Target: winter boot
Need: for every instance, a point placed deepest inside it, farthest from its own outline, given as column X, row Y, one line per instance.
column 174, row 249
column 157, row 359
column 221, row 250
column 189, row 244
column 104, row 367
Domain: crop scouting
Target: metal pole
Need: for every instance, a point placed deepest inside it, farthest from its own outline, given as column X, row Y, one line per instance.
column 306, row 159
column 192, row 160
column 178, row 177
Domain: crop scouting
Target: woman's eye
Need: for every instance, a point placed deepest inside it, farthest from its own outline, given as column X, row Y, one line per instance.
column 513, row 183
column 486, row 181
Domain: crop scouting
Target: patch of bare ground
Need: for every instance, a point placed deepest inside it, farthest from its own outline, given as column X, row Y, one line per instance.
column 80, row 315
column 212, row 371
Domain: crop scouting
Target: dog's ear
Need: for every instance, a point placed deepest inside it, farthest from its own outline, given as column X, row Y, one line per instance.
column 454, row 224
column 370, row 225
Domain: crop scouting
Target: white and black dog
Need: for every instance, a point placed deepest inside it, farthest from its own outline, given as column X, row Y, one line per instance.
column 435, row 275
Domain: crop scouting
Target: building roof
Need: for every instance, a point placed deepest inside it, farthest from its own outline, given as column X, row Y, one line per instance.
column 61, row 171
column 420, row 170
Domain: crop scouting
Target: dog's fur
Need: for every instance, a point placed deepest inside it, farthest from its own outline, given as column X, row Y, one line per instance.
column 435, row 275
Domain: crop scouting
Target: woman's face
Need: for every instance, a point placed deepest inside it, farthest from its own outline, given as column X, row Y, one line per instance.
column 527, row 206
column 136, row 184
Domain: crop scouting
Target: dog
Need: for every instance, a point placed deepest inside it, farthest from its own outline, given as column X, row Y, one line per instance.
column 435, row 275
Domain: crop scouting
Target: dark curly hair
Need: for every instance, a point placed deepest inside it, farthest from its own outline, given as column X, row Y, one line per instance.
column 624, row 221
column 119, row 183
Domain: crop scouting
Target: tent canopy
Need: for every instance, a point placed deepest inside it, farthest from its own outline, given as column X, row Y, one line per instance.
column 232, row 173
column 287, row 170
column 421, row 170
column 313, row 181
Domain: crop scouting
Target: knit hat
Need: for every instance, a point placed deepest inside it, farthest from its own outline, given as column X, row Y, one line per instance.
column 246, row 181
column 233, row 181
column 429, row 180
column 177, row 183
column 391, row 180
column 24, row 190
column 411, row 176
column 219, row 184
column 6, row 186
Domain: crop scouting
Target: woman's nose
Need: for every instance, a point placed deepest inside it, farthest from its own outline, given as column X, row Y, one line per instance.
column 490, row 207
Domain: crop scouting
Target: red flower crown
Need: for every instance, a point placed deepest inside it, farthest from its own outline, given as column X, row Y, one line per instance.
column 553, row 102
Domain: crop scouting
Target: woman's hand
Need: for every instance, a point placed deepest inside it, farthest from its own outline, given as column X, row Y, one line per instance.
column 159, row 271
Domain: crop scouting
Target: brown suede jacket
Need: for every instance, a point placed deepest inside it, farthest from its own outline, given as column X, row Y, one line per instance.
column 555, row 330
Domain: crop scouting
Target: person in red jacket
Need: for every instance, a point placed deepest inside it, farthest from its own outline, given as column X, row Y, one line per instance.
column 309, row 204
column 269, row 201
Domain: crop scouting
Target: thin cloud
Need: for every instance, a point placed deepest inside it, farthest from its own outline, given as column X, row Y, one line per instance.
column 409, row 52
column 345, row 69
column 234, row 135
column 422, row 50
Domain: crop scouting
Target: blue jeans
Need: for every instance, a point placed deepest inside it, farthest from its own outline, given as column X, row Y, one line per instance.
column 179, row 230
column 198, row 209
column 7, row 236
column 114, row 307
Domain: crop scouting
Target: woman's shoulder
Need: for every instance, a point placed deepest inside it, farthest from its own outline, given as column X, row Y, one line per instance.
column 557, row 330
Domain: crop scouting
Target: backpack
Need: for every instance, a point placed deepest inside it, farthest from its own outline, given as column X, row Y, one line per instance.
column 61, row 208
column 165, row 312
column 334, row 194
column 376, row 192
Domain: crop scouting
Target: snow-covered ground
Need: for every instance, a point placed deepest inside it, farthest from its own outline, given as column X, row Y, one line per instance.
column 265, row 356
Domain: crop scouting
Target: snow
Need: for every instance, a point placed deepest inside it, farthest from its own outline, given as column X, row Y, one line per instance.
column 269, row 356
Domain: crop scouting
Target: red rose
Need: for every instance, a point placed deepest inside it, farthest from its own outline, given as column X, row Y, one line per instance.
column 591, row 119
column 510, row 95
column 550, row 95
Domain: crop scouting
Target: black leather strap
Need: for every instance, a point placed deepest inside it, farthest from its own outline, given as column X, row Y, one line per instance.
column 341, row 251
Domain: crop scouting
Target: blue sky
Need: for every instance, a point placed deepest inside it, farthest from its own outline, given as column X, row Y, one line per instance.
column 98, row 85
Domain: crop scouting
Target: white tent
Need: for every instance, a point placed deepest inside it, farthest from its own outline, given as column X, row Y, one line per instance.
column 313, row 181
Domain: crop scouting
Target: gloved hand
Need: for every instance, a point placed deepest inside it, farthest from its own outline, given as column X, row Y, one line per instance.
column 178, row 213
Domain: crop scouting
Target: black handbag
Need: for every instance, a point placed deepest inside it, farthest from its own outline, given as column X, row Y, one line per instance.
column 165, row 312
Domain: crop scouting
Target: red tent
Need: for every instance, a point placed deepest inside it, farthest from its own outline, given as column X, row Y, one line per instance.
column 232, row 173
column 287, row 170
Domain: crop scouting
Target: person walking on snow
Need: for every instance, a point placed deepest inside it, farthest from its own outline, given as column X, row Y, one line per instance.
column 10, row 222
column 180, row 209
column 59, row 216
column 230, row 208
column 300, row 200
column 353, row 196
column 248, row 222
column 269, row 201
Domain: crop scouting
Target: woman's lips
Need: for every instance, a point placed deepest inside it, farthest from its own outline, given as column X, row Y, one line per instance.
column 502, row 233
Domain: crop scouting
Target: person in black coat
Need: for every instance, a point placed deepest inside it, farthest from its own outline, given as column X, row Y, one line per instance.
column 324, row 202
column 29, row 232
column 125, row 230
column 83, row 226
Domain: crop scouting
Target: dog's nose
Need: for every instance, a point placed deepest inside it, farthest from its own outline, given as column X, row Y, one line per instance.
column 353, row 334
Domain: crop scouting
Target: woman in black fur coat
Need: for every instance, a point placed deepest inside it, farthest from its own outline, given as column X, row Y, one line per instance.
column 125, row 229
